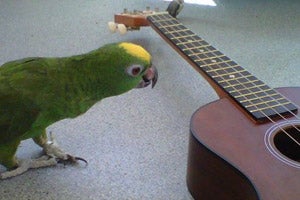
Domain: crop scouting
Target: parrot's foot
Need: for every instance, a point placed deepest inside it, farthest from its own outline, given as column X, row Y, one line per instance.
column 25, row 165
column 52, row 150
column 54, row 155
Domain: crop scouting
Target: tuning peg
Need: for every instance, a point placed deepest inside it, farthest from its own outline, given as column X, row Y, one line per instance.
column 175, row 7
column 112, row 27
column 122, row 29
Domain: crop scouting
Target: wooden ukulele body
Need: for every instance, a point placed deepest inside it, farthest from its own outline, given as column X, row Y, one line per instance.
column 244, row 146
column 228, row 157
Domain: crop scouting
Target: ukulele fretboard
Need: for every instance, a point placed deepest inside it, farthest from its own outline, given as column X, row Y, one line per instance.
column 254, row 96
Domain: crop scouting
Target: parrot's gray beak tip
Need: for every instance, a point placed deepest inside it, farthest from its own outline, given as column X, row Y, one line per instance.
column 155, row 76
column 150, row 76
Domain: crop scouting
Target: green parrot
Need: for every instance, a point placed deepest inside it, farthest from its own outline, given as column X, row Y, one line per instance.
column 36, row 92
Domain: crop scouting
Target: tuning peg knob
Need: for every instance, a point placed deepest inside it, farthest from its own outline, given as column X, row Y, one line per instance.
column 112, row 27
column 122, row 29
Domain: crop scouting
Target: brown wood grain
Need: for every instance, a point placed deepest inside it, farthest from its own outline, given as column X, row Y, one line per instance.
column 228, row 158
column 131, row 20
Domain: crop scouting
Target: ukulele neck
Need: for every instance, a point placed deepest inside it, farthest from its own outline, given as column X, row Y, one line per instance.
column 256, row 98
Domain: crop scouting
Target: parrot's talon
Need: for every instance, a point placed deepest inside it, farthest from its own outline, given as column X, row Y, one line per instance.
column 82, row 159
column 72, row 160
column 52, row 150
column 35, row 114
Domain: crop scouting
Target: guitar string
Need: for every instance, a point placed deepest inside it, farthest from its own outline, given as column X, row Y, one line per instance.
column 280, row 104
column 240, row 83
column 245, row 87
column 258, row 96
column 237, row 90
column 276, row 100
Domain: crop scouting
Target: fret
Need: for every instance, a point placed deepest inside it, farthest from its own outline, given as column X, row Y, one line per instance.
column 228, row 69
column 260, row 93
column 167, row 26
column 239, row 81
column 231, row 75
column 235, row 79
column 201, row 63
column 202, row 53
column 245, row 92
column 275, row 95
column 224, row 68
column 254, row 93
column 262, row 99
column 212, row 63
column 268, row 107
column 195, row 53
column 273, row 112
column 189, row 42
column 175, row 26
column 252, row 89
column 254, row 96
column 177, row 36
column 259, row 101
column 208, row 59
column 171, row 31
column 275, row 102
column 196, row 47
column 192, row 38
column 161, row 16
column 227, row 74
column 182, row 37
column 197, row 44
column 243, row 88
column 177, row 31
column 252, row 82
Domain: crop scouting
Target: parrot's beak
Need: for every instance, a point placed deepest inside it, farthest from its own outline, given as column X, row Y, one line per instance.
column 151, row 75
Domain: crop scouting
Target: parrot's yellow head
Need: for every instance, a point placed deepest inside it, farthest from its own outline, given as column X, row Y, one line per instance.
column 136, row 50
column 125, row 66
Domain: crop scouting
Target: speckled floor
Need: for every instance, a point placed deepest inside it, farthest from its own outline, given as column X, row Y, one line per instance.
column 137, row 143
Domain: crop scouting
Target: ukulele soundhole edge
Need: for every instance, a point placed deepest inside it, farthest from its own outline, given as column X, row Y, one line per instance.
column 286, row 145
column 282, row 140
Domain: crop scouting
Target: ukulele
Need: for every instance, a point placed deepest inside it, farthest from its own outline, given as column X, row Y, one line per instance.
column 244, row 146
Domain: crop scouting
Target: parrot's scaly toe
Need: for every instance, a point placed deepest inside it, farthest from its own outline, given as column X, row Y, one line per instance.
column 72, row 160
column 25, row 165
column 52, row 149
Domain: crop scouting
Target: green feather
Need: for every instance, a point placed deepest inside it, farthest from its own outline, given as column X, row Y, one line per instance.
column 36, row 92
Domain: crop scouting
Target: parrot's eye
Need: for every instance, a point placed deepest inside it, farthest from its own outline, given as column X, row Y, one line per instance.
column 134, row 70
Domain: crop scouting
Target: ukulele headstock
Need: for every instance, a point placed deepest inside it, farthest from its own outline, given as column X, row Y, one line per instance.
column 130, row 20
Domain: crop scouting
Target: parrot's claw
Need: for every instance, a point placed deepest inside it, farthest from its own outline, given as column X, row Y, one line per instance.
column 52, row 149
column 72, row 160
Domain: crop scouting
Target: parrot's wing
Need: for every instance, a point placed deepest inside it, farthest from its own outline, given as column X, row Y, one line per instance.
column 26, row 76
column 16, row 118
column 18, row 110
